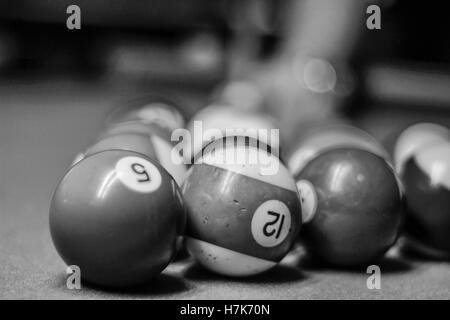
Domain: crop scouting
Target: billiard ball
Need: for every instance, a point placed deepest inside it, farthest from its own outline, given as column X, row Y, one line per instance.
column 117, row 215
column 425, row 173
column 353, row 206
column 219, row 120
column 243, row 94
column 331, row 136
column 244, row 212
column 414, row 137
column 127, row 141
column 133, row 127
column 154, row 146
column 155, row 109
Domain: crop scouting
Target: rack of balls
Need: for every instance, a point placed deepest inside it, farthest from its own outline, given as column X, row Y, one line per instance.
column 123, row 206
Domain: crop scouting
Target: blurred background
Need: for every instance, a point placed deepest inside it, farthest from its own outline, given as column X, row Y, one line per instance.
column 302, row 61
column 311, row 59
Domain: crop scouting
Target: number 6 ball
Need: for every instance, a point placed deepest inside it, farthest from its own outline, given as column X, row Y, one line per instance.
column 117, row 215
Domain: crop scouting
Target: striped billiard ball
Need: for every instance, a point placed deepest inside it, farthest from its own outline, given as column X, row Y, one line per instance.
column 244, row 212
column 133, row 127
column 220, row 120
column 155, row 110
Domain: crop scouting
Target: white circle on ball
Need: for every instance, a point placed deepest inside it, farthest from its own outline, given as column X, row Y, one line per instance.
column 138, row 174
column 308, row 199
column 271, row 223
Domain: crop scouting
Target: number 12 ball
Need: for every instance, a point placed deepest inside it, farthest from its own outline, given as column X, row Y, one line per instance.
column 241, row 220
column 117, row 215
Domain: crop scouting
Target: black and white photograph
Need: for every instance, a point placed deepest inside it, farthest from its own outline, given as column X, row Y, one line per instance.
column 241, row 151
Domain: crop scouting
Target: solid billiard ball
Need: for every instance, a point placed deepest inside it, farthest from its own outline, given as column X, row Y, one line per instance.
column 118, row 216
column 426, row 177
column 244, row 212
column 331, row 136
column 353, row 206
column 155, row 146
column 414, row 137
column 219, row 120
column 155, row 110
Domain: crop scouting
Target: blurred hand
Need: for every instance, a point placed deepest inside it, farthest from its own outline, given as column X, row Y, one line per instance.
column 296, row 92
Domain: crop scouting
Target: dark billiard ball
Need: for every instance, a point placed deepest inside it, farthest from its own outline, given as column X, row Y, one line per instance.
column 154, row 146
column 118, row 216
column 353, row 206
column 244, row 212
column 155, row 110
column 323, row 138
column 220, row 120
column 424, row 168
